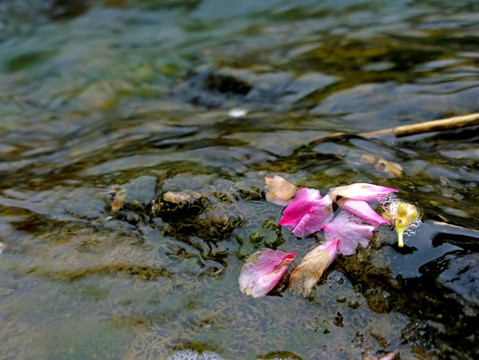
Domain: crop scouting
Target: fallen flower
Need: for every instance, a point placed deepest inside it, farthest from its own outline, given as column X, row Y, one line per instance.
column 310, row 212
column 390, row 356
column 263, row 270
column 361, row 191
column 362, row 210
column 311, row 268
column 404, row 216
column 279, row 191
column 117, row 201
column 307, row 213
column 350, row 230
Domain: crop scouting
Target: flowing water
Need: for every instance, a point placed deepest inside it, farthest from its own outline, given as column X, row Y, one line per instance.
column 106, row 106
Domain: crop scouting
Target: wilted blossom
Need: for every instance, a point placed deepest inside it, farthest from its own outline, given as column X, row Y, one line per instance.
column 279, row 191
column 311, row 268
column 390, row 356
column 404, row 217
column 350, row 230
column 263, row 270
column 362, row 210
column 361, row 191
column 307, row 213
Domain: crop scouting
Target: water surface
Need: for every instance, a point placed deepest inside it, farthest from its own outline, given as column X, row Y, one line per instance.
column 136, row 95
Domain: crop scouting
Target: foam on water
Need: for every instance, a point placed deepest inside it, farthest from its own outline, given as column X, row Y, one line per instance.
column 193, row 355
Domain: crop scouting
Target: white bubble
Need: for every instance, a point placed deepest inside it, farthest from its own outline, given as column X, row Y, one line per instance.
column 193, row 355
column 237, row 112
column 389, row 203
column 412, row 227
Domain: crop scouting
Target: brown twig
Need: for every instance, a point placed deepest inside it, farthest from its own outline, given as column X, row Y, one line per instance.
column 455, row 122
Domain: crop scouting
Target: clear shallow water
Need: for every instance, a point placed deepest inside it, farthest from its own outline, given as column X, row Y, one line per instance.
column 137, row 95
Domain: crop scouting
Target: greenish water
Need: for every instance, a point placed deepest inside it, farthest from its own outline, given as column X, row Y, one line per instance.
column 137, row 95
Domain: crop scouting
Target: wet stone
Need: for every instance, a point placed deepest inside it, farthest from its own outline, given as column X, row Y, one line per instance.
column 180, row 205
column 422, row 334
column 213, row 89
column 279, row 355
column 269, row 86
column 225, row 87
column 119, row 225
column 305, row 85
column 140, row 192
column 129, row 216
column 91, row 209
column 460, row 274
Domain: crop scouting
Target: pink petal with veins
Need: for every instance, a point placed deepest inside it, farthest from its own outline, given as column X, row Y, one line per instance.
column 263, row 270
column 361, row 191
column 350, row 230
column 307, row 213
column 362, row 210
column 390, row 356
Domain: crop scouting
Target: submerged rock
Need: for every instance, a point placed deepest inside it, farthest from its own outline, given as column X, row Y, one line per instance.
column 279, row 355
column 459, row 273
column 138, row 193
column 433, row 280
column 226, row 87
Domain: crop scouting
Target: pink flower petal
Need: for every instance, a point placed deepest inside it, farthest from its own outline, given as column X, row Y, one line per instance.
column 390, row 356
column 361, row 191
column 350, row 231
column 311, row 268
column 305, row 194
column 307, row 213
column 362, row 210
column 263, row 270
